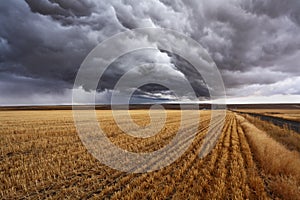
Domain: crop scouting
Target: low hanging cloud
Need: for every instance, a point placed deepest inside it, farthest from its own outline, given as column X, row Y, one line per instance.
column 255, row 44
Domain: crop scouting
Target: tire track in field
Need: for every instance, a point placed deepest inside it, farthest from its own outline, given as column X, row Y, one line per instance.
column 157, row 175
column 172, row 185
column 191, row 167
column 165, row 135
column 129, row 180
column 253, row 180
column 219, row 173
column 142, row 178
column 197, row 177
column 115, row 183
column 237, row 187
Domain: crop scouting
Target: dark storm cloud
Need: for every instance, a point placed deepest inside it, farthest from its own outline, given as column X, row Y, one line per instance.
column 253, row 42
column 18, row 85
column 45, row 7
column 39, row 47
column 34, row 45
column 277, row 8
column 172, row 67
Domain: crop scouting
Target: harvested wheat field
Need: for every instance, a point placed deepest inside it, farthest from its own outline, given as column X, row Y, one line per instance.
column 288, row 114
column 43, row 157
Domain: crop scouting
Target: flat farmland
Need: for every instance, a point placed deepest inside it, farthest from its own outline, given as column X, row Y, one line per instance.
column 42, row 156
column 288, row 114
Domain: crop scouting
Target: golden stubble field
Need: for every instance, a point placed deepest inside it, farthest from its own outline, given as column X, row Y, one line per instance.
column 42, row 156
column 289, row 114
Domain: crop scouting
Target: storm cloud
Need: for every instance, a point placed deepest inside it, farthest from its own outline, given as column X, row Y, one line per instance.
column 255, row 44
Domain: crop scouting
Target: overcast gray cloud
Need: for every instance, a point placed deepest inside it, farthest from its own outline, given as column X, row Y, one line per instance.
column 255, row 44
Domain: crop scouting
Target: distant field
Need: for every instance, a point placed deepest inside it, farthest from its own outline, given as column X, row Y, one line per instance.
column 42, row 156
column 289, row 114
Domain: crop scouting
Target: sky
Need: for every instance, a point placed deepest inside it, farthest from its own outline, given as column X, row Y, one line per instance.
column 254, row 43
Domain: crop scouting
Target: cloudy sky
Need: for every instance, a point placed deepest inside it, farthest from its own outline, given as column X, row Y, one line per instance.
column 254, row 43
